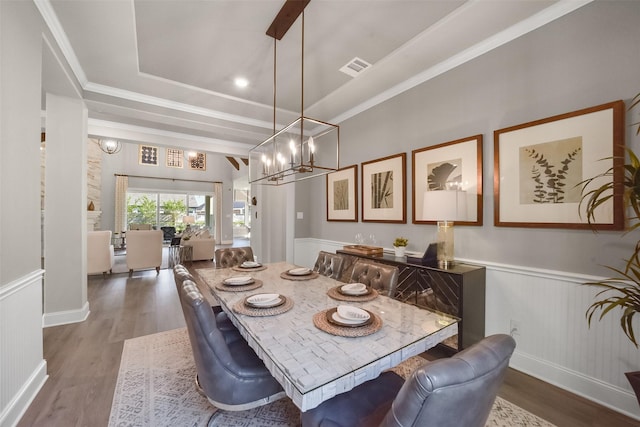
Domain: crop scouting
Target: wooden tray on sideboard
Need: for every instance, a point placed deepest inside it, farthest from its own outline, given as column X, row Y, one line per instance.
column 363, row 250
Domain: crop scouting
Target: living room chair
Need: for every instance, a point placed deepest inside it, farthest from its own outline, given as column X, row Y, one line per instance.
column 380, row 277
column 144, row 250
column 453, row 392
column 100, row 256
column 230, row 375
column 168, row 233
column 230, row 257
column 329, row 264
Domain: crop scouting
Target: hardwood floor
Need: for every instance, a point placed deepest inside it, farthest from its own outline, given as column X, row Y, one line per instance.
column 83, row 359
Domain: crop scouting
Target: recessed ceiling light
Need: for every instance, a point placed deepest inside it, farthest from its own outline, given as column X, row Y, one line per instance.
column 241, row 82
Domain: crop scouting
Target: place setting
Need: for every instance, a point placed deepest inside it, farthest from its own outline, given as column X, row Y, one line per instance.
column 239, row 284
column 249, row 266
column 299, row 273
column 347, row 321
column 353, row 292
column 263, row 305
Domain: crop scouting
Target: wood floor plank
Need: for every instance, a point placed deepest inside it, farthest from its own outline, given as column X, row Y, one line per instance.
column 83, row 359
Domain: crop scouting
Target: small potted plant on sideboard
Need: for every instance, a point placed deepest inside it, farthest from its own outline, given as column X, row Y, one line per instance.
column 400, row 245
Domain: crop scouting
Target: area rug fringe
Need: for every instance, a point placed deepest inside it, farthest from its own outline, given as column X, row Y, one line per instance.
column 155, row 388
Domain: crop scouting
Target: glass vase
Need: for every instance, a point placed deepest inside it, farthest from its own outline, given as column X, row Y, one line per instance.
column 444, row 239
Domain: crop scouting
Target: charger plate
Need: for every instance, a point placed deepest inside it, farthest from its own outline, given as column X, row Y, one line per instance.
column 312, row 275
column 336, row 294
column 241, row 308
column 239, row 288
column 321, row 322
column 248, row 269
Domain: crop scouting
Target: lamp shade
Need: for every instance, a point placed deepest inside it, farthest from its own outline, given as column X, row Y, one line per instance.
column 188, row 219
column 445, row 205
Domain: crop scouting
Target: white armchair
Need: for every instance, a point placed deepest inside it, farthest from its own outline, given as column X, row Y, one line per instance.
column 144, row 249
column 100, row 257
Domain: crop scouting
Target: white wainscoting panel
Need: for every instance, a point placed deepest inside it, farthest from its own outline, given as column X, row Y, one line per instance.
column 554, row 342
column 22, row 367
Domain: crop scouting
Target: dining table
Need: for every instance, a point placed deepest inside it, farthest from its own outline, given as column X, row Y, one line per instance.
column 304, row 345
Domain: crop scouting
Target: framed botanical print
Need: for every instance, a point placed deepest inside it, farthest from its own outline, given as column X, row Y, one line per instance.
column 175, row 158
column 198, row 161
column 342, row 194
column 540, row 169
column 447, row 182
column 148, row 155
column 384, row 189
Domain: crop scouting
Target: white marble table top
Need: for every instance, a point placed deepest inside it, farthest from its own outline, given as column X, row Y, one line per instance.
column 313, row 365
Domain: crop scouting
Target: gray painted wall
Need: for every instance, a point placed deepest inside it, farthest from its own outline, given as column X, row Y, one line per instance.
column 587, row 58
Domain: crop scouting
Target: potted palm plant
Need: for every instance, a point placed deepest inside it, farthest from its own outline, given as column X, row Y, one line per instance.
column 621, row 292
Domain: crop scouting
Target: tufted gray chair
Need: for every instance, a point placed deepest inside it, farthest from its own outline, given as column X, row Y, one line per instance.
column 380, row 277
column 453, row 392
column 329, row 264
column 181, row 274
column 230, row 375
column 230, row 257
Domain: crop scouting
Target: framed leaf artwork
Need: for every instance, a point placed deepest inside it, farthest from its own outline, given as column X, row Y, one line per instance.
column 384, row 188
column 342, row 194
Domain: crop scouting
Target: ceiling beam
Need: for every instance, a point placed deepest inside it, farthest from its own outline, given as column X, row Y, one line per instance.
column 286, row 17
column 234, row 162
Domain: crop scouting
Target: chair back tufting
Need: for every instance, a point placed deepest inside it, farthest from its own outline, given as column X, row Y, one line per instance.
column 230, row 257
column 329, row 264
column 381, row 277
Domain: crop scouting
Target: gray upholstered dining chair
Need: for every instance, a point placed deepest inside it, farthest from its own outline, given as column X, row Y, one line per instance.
column 230, row 332
column 380, row 277
column 230, row 257
column 453, row 392
column 230, row 375
column 329, row 264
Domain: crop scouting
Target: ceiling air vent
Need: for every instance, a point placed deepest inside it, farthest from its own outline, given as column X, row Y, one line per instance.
column 355, row 67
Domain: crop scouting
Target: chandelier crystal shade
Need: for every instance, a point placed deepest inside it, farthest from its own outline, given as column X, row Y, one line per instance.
column 305, row 148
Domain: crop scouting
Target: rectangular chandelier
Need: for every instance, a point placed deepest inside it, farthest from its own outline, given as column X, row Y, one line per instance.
column 304, row 149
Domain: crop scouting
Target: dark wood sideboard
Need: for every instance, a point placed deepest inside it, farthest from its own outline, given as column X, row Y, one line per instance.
column 459, row 291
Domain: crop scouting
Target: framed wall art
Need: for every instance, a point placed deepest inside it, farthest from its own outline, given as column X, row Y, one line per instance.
column 384, row 188
column 539, row 168
column 447, row 182
column 148, row 155
column 342, row 194
column 175, row 158
column 198, row 161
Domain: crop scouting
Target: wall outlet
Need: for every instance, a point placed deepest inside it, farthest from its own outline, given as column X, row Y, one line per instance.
column 514, row 328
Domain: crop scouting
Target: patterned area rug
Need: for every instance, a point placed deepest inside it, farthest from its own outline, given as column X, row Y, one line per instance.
column 156, row 388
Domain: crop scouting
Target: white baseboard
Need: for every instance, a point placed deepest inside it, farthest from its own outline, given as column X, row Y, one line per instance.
column 614, row 398
column 21, row 401
column 66, row 317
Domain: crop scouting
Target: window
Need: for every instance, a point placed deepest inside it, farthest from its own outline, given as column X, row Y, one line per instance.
column 169, row 209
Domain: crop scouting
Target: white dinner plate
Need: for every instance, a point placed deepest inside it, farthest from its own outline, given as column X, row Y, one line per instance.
column 352, row 314
column 302, row 271
column 250, row 264
column 261, row 299
column 354, row 289
column 339, row 319
column 238, row 280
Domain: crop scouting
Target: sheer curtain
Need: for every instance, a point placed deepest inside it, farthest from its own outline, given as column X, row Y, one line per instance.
column 122, row 184
column 217, row 193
